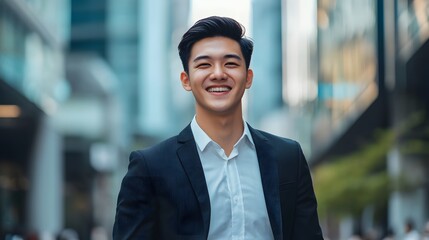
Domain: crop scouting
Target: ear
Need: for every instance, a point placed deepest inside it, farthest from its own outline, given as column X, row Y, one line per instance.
column 249, row 78
column 186, row 84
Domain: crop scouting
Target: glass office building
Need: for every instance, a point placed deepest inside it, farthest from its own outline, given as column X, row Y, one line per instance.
column 33, row 37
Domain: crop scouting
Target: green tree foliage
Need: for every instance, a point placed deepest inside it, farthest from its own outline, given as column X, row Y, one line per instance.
column 347, row 184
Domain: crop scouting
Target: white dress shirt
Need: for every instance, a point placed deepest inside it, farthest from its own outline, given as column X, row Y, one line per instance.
column 237, row 201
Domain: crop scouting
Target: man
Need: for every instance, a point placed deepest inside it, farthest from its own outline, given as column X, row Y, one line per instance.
column 219, row 178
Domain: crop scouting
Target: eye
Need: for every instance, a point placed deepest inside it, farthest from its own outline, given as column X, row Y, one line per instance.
column 203, row 65
column 232, row 64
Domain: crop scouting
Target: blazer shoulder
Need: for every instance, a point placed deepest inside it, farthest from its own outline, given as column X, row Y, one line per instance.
column 285, row 150
column 283, row 141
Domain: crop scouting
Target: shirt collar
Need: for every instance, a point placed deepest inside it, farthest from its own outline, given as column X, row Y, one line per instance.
column 202, row 139
column 248, row 135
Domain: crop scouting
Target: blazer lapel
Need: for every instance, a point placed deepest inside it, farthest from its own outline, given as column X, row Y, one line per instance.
column 270, row 179
column 190, row 160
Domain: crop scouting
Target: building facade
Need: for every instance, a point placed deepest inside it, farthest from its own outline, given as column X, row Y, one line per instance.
column 33, row 36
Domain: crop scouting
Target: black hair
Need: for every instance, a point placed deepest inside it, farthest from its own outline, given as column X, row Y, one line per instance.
column 215, row 26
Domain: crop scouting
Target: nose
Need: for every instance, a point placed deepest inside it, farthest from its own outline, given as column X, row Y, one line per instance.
column 218, row 73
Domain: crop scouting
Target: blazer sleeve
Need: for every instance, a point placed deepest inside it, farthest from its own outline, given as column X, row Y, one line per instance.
column 306, row 219
column 136, row 206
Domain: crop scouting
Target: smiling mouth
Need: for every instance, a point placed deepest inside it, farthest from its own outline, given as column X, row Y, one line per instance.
column 218, row 89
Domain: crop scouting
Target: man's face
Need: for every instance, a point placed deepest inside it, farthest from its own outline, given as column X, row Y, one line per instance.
column 217, row 75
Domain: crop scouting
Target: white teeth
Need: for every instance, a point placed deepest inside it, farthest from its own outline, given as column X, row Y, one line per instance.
column 218, row 89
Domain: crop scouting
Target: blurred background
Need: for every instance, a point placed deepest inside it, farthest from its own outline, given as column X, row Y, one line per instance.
column 84, row 82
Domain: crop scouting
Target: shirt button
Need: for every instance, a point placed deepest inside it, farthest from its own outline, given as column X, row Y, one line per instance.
column 236, row 199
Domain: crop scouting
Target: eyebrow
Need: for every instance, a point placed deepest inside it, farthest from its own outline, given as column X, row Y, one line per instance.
column 231, row 55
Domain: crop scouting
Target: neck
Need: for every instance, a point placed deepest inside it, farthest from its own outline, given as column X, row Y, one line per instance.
column 225, row 130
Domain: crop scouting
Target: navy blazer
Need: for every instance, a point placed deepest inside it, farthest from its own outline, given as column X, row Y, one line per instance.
column 164, row 193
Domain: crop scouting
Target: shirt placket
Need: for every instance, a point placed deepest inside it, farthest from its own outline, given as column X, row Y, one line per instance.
column 236, row 197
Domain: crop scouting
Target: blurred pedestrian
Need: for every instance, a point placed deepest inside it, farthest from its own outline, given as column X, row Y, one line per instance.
column 99, row 233
column 410, row 232
column 68, row 234
column 426, row 232
column 355, row 237
column 219, row 178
